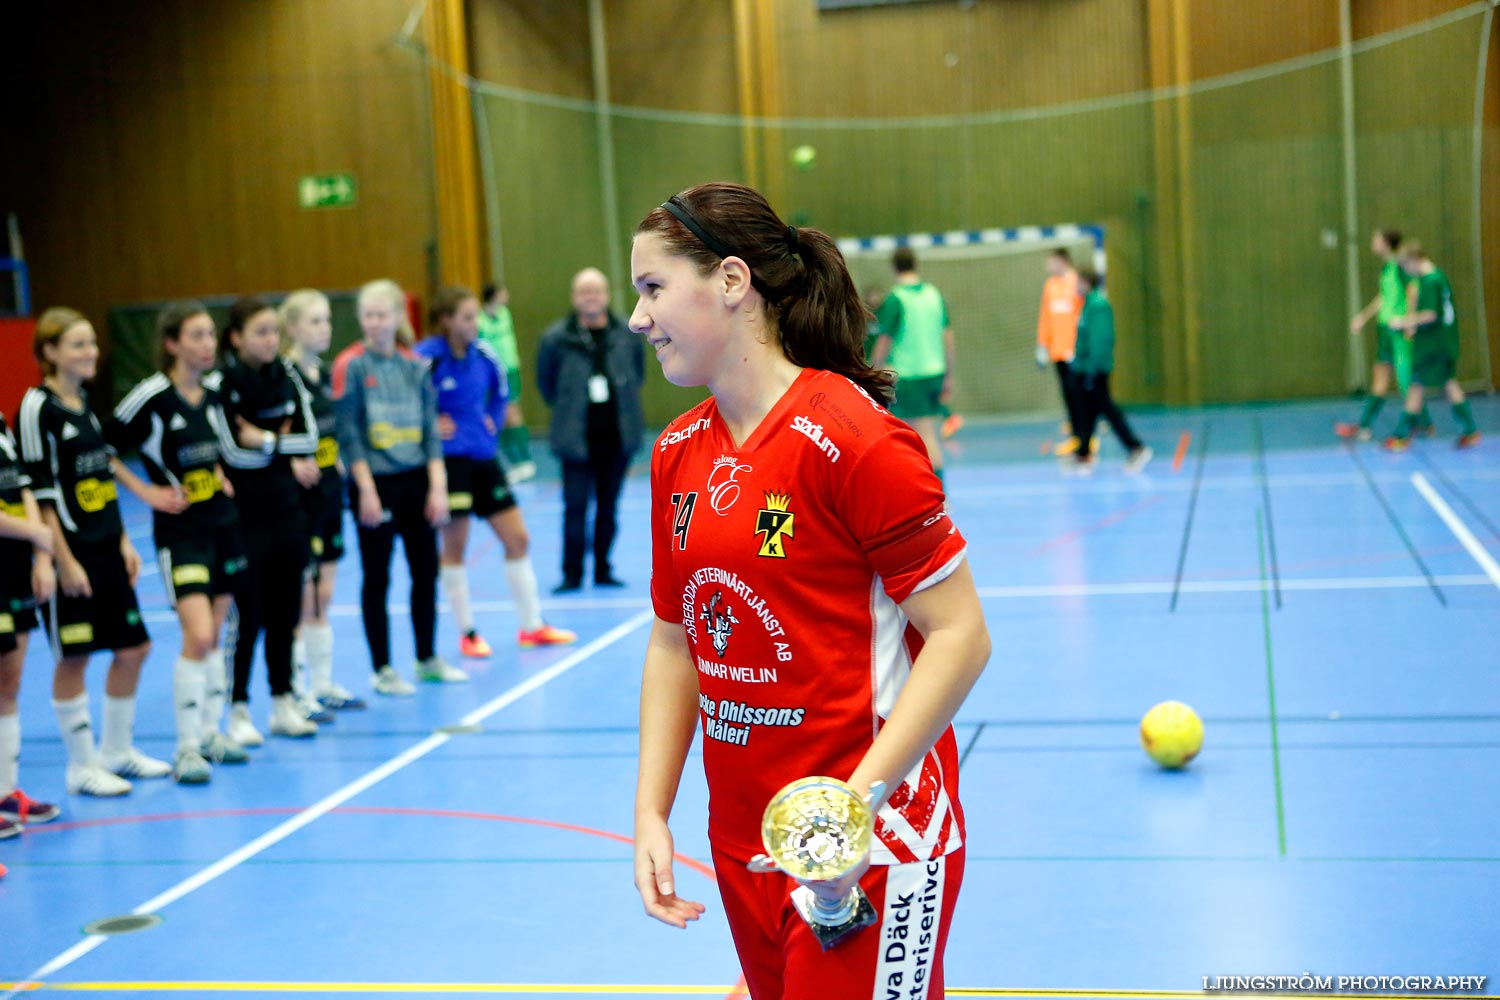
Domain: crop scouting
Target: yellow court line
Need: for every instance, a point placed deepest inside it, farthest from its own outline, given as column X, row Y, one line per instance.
column 629, row 989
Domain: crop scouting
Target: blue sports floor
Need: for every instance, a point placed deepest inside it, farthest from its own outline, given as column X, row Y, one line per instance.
column 1333, row 613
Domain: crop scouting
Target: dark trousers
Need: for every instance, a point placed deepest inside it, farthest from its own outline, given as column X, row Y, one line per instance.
column 1069, row 394
column 403, row 496
column 268, row 599
column 1092, row 398
column 601, row 476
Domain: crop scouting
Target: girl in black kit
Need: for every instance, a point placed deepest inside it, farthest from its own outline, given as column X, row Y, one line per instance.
column 26, row 578
column 307, row 328
column 268, row 445
column 68, row 460
column 174, row 420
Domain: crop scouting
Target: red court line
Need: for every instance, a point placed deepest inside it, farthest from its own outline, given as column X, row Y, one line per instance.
column 1104, row 522
column 1182, row 450
column 693, row 863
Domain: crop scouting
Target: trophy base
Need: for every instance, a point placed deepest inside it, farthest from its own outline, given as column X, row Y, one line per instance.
column 863, row 915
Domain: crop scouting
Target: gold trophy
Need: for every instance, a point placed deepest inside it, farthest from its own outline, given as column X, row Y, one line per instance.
column 819, row 829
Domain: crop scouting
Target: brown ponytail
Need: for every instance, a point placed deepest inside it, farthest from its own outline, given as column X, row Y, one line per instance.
column 818, row 313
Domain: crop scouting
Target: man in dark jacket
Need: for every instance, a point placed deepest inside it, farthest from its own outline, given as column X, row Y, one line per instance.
column 590, row 368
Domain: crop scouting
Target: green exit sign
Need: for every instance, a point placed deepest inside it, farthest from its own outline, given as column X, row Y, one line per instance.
column 327, row 190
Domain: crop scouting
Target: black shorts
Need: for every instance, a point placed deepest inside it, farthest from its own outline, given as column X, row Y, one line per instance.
column 17, row 602
column 477, row 486
column 327, row 535
column 210, row 561
column 110, row 619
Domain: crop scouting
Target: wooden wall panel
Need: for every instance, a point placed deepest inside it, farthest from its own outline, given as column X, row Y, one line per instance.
column 1229, row 37
column 170, row 141
column 539, row 45
column 947, row 58
column 688, row 68
column 1374, row 17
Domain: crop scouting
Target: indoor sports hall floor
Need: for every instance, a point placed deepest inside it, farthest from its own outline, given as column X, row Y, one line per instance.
column 1333, row 614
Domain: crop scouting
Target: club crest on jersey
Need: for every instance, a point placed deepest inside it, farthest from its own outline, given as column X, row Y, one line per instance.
column 774, row 525
column 721, row 622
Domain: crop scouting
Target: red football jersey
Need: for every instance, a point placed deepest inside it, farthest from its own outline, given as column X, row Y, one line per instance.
column 785, row 559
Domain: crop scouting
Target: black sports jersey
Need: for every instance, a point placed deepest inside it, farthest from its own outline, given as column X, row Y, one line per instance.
column 13, row 479
column 64, row 452
column 274, row 399
column 179, row 445
column 325, row 414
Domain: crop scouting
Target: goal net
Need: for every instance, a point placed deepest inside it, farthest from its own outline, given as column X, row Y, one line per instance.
column 992, row 282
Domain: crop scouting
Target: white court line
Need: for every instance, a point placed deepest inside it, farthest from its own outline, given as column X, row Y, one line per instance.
column 1456, row 525
column 338, row 798
column 1230, row 586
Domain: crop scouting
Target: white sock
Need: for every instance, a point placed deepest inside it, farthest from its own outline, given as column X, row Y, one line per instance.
column 456, row 586
column 299, row 667
column 215, row 682
column 10, row 752
column 319, row 642
column 119, row 725
column 189, row 681
column 77, row 732
column 521, row 576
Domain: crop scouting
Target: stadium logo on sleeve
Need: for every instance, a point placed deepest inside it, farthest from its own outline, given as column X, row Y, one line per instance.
column 678, row 436
column 774, row 525
column 814, row 433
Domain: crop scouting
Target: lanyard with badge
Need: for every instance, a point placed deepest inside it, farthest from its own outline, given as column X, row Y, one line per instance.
column 599, row 382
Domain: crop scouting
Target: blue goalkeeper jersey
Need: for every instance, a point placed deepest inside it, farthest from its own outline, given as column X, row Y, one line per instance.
column 469, row 389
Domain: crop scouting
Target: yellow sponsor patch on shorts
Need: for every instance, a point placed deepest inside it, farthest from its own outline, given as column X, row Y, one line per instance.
column 460, row 501
column 200, row 485
column 317, row 546
column 183, row 576
column 94, row 494
column 7, row 624
column 328, row 452
column 76, row 634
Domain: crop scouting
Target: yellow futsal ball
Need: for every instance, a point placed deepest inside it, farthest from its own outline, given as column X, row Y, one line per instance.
column 805, row 157
column 1172, row 734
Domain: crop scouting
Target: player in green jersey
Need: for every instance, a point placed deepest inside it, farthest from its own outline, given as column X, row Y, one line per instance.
column 1430, row 325
column 917, row 340
column 1392, row 349
column 497, row 330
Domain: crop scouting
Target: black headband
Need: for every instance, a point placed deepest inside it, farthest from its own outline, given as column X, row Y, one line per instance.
column 685, row 215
